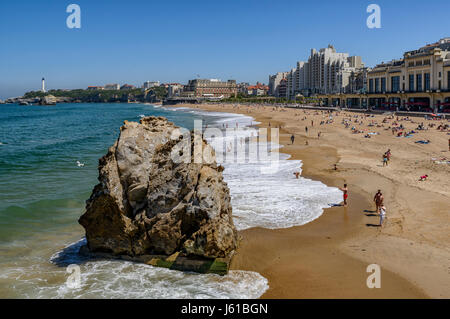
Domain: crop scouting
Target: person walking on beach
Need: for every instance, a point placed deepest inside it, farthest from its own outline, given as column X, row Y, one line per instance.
column 378, row 199
column 306, row 129
column 388, row 154
column 292, row 139
column 345, row 195
column 385, row 160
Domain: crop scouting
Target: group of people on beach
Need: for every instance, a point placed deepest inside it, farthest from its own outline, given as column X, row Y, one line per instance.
column 378, row 200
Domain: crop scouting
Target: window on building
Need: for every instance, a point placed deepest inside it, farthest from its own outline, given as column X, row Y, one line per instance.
column 395, row 83
column 419, row 63
column 411, row 82
column 426, row 62
column 419, row 83
column 410, row 64
column 377, row 85
column 427, row 81
column 370, row 85
column 383, row 84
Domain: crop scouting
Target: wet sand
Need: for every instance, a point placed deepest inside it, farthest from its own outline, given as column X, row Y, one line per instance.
column 328, row 257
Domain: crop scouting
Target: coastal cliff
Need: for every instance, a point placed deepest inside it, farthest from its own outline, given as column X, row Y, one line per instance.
column 153, row 200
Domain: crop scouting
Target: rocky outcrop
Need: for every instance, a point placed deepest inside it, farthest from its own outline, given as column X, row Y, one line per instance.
column 48, row 100
column 153, row 199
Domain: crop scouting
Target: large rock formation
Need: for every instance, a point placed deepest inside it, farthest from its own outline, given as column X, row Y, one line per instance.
column 147, row 203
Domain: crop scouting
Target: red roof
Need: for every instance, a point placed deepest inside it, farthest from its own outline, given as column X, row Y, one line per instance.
column 258, row 86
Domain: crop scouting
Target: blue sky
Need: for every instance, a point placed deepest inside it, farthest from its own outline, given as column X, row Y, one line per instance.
column 172, row 41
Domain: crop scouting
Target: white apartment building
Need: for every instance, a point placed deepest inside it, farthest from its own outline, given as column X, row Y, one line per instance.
column 326, row 72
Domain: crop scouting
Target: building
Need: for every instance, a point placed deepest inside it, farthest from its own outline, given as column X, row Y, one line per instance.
column 242, row 88
column 282, row 89
column 274, row 82
column 416, row 80
column 149, row 84
column 210, row 88
column 112, row 87
column 326, row 71
column 257, row 90
column 127, row 87
column 174, row 89
column 43, row 85
column 95, row 88
column 358, row 81
column 420, row 81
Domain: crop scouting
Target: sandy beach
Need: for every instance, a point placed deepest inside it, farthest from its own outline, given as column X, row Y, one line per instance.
column 328, row 257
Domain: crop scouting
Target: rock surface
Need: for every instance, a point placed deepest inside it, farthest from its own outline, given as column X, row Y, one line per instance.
column 149, row 202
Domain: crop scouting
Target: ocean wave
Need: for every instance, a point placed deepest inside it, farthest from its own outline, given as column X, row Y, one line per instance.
column 108, row 279
column 264, row 192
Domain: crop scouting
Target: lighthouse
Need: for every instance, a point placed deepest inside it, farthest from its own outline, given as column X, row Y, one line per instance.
column 43, row 85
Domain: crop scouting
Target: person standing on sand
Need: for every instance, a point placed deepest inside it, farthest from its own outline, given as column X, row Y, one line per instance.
column 292, row 139
column 378, row 199
column 385, row 160
column 306, row 129
column 388, row 154
column 345, row 195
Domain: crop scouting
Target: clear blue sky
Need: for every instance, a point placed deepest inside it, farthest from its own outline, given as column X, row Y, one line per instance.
column 131, row 41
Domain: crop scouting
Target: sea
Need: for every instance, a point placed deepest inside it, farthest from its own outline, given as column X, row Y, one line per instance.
column 49, row 166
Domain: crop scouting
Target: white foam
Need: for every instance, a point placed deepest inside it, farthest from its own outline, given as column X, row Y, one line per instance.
column 275, row 200
column 120, row 279
column 106, row 279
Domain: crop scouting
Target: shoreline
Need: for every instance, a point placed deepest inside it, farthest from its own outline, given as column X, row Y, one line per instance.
column 333, row 251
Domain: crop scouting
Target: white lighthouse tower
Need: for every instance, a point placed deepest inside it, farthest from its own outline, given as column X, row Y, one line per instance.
column 43, row 85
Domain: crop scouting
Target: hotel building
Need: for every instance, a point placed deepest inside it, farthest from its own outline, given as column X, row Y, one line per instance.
column 210, row 88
